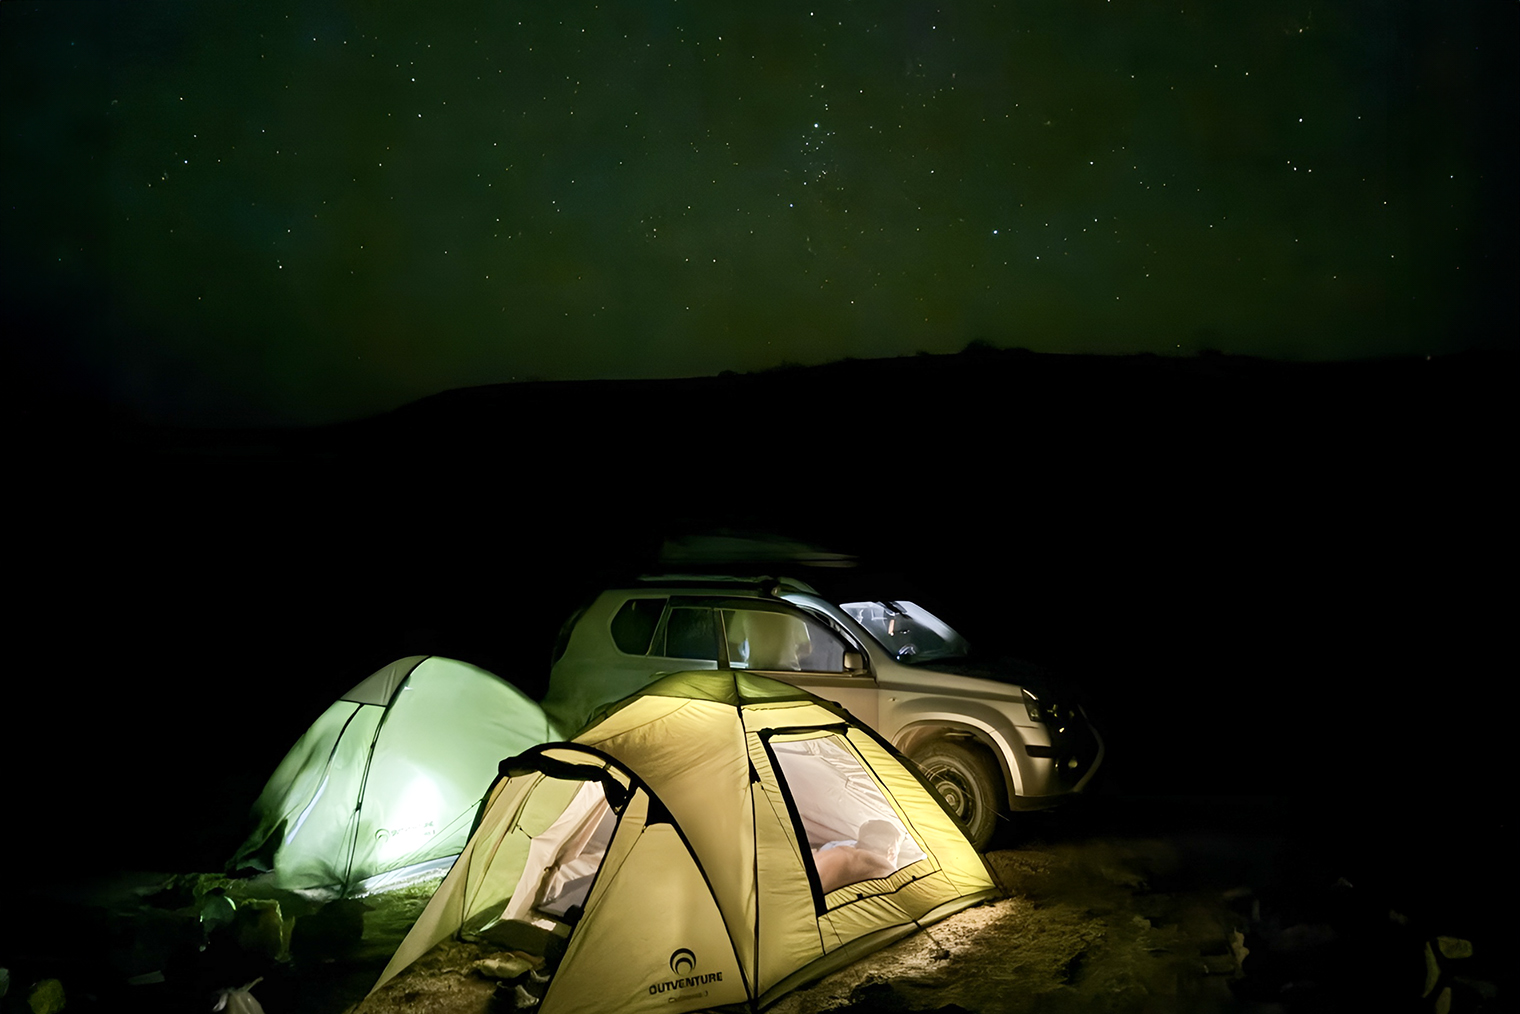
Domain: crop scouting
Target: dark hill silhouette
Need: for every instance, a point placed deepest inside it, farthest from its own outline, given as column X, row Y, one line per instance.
column 1247, row 563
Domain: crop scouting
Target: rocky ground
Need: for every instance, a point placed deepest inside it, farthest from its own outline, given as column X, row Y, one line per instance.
column 1108, row 916
column 1107, row 925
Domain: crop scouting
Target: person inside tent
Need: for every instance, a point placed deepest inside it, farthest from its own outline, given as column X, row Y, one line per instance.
column 873, row 855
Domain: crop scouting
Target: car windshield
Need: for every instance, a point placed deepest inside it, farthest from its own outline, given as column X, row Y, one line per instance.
column 909, row 632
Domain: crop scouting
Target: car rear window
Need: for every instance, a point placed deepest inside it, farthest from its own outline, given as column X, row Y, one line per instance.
column 634, row 625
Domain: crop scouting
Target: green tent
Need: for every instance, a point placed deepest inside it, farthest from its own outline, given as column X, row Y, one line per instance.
column 385, row 785
column 719, row 838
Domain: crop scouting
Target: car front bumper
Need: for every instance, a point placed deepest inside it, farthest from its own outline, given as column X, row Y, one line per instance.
column 1061, row 769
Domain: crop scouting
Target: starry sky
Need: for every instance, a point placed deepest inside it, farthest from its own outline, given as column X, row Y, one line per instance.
column 255, row 213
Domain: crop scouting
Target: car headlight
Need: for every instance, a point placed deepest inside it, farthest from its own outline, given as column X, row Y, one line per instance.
column 1044, row 711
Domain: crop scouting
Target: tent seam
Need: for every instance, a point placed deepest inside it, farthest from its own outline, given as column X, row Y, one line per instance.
column 369, row 758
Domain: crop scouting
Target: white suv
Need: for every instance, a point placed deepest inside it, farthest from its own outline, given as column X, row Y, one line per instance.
column 990, row 741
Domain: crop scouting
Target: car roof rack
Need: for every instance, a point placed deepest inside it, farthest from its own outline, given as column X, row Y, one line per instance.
column 762, row 583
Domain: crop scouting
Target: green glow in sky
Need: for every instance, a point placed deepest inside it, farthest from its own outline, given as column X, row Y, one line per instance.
column 305, row 212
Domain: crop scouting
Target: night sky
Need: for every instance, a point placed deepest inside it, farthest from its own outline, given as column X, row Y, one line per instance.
column 299, row 213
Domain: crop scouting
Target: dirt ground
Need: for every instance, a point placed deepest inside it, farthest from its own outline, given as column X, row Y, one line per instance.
column 1116, row 921
column 1082, row 930
column 1202, row 923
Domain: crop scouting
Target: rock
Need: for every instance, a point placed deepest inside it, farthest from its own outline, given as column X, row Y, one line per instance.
column 502, row 966
column 1454, row 947
column 46, row 997
column 1238, row 948
column 1432, row 971
column 259, row 928
column 332, row 932
column 216, row 910
column 239, row 1000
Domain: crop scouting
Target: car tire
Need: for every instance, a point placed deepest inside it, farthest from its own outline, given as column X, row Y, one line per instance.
column 969, row 784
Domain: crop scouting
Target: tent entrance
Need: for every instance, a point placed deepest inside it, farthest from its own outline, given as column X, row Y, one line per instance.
column 563, row 861
column 559, row 864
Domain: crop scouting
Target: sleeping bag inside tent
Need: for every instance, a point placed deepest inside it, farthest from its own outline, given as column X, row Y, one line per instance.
column 719, row 838
column 387, row 783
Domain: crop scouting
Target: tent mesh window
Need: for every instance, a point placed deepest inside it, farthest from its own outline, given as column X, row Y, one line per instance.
column 852, row 831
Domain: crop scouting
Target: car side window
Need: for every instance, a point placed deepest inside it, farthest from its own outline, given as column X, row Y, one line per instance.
column 773, row 641
column 634, row 625
column 691, row 632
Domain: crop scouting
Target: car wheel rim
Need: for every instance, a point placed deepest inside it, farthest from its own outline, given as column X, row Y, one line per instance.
column 955, row 796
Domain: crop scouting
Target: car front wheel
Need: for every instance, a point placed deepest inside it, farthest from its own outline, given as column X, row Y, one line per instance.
column 968, row 781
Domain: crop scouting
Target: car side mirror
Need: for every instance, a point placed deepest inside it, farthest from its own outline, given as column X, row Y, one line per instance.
column 853, row 661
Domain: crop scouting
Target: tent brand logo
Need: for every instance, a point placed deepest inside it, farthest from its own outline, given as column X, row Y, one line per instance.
column 682, row 963
column 425, row 830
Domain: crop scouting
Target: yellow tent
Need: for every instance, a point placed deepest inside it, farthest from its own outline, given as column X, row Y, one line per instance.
column 719, row 838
